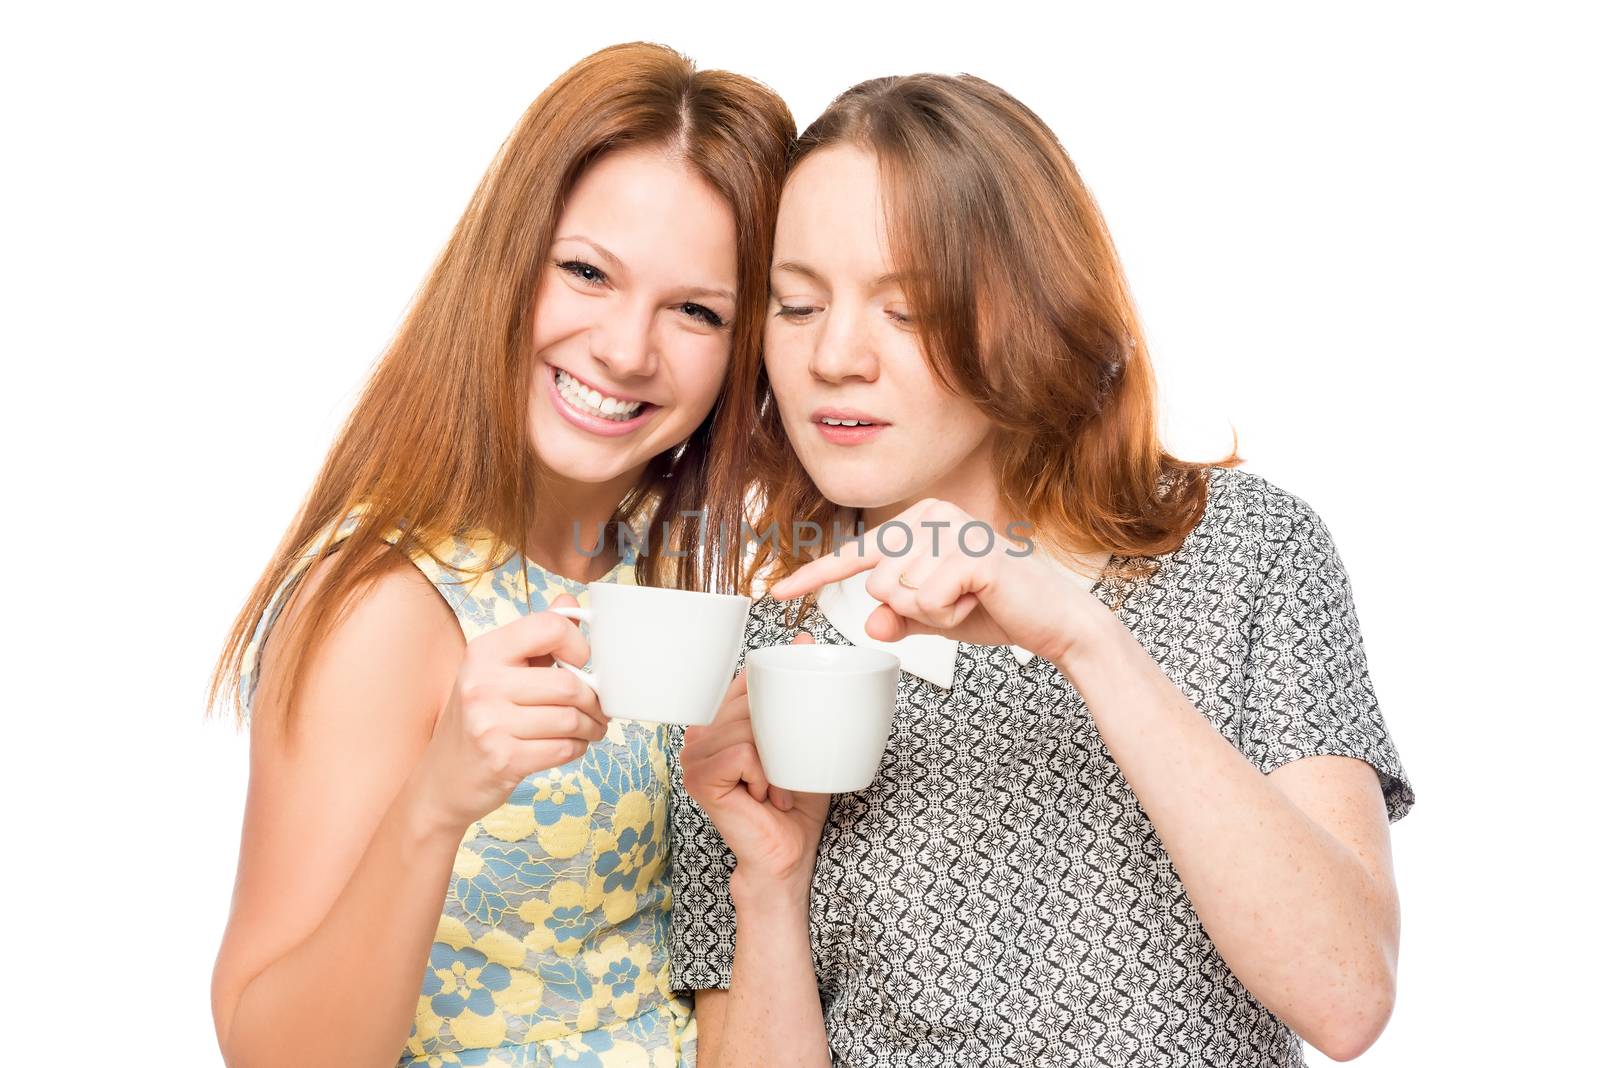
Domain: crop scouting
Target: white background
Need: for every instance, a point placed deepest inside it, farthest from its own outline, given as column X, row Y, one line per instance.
column 1365, row 237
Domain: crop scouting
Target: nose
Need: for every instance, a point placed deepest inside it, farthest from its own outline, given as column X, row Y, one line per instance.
column 845, row 348
column 623, row 342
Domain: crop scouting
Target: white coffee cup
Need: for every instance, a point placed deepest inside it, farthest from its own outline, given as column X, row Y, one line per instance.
column 662, row 655
column 821, row 714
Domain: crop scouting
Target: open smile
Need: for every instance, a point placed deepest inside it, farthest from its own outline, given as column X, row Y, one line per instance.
column 591, row 409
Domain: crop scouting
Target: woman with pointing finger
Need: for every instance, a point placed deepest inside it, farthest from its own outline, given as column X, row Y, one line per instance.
column 1134, row 808
column 450, row 855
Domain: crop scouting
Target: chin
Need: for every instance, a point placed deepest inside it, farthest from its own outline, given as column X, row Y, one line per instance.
column 577, row 465
column 581, row 473
column 859, row 490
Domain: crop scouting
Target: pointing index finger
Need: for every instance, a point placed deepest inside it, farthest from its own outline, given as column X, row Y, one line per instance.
column 853, row 557
column 850, row 559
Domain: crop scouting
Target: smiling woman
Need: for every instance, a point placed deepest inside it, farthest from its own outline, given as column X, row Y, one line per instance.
column 450, row 854
column 635, row 310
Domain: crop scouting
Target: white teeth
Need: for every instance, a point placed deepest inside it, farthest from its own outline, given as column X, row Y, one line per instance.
column 846, row 422
column 594, row 402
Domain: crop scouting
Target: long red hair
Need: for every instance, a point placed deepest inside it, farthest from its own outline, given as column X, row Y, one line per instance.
column 436, row 444
column 1021, row 306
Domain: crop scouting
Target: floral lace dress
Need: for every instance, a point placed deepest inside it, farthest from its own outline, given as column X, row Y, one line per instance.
column 551, row 949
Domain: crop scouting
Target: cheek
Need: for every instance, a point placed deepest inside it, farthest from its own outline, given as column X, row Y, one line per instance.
column 948, row 426
column 785, row 361
column 699, row 367
column 558, row 313
column 965, row 424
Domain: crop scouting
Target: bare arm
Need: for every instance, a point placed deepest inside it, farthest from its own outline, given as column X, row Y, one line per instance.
column 710, row 1014
column 1289, row 872
column 774, row 1014
column 341, row 877
column 353, row 820
column 771, row 1012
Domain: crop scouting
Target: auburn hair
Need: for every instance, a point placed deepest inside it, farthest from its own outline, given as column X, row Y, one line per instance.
column 437, row 444
column 1021, row 306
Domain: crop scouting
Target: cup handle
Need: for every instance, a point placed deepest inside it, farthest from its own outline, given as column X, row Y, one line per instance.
column 582, row 615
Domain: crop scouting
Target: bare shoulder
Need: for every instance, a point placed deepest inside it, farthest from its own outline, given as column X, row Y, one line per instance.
column 385, row 663
column 364, row 711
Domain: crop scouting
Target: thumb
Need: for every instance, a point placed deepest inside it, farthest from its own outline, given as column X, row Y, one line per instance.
column 575, row 649
column 802, row 638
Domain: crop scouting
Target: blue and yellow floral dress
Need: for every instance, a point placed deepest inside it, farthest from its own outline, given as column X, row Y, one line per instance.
column 551, row 949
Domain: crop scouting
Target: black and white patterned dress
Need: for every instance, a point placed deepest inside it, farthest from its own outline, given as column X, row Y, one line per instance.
column 998, row 896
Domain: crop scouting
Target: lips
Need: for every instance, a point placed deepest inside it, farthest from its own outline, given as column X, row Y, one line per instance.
column 847, row 426
column 846, row 417
column 584, row 406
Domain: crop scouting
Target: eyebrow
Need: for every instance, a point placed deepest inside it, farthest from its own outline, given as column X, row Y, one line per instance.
column 707, row 291
column 795, row 267
column 615, row 261
column 604, row 253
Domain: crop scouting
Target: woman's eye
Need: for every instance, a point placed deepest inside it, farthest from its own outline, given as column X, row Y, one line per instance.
column 587, row 273
column 703, row 314
column 795, row 311
column 902, row 318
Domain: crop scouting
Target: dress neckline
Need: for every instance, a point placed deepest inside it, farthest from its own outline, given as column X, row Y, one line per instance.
column 536, row 575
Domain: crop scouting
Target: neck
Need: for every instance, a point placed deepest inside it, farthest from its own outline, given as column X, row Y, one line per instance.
column 570, row 534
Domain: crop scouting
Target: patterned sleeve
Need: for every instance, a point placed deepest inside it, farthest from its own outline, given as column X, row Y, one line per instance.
column 1307, row 689
column 700, row 942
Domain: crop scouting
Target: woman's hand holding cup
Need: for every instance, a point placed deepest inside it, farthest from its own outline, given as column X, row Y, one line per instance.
column 510, row 714
column 773, row 832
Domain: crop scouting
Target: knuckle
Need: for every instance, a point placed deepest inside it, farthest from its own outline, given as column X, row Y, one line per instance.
column 500, row 760
column 474, row 689
column 480, row 724
column 570, row 720
column 551, row 628
column 564, row 751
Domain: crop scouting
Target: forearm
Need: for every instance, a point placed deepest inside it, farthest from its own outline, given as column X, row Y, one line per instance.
column 1291, row 909
column 774, row 1013
column 347, row 994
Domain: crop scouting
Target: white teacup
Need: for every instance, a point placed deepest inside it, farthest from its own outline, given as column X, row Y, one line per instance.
column 821, row 714
column 657, row 654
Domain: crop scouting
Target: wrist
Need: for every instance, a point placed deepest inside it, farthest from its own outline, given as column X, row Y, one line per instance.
column 1088, row 628
column 765, row 895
